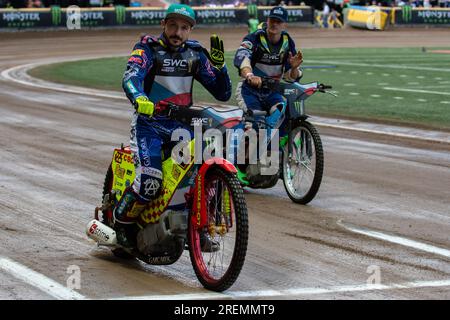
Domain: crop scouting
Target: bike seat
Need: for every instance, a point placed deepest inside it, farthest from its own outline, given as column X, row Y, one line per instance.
column 221, row 114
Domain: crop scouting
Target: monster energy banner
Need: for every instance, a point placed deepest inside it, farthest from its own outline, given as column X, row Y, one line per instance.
column 222, row 16
column 97, row 18
column 211, row 16
column 143, row 17
column 55, row 11
column 300, row 14
column 252, row 10
column 121, row 16
column 54, row 17
column 203, row 16
column 24, row 19
column 408, row 15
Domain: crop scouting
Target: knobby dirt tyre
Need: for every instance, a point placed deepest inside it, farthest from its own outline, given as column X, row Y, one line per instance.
column 319, row 164
column 237, row 226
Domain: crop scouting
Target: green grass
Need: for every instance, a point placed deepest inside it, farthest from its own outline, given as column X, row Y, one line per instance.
column 359, row 75
column 103, row 74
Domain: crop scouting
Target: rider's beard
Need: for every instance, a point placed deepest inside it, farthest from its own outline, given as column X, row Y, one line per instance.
column 170, row 44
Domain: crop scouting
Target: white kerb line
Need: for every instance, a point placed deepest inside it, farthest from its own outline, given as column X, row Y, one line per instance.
column 10, row 74
column 38, row 280
column 399, row 240
column 291, row 292
column 399, row 135
column 417, row 91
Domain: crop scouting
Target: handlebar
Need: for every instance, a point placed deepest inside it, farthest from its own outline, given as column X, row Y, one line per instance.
column 322, row 87
column 169, row 107
column 163, row 106
column 274, row 84
column 269, row 83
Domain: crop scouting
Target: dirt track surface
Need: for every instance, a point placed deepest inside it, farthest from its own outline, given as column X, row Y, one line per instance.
column 55, row 148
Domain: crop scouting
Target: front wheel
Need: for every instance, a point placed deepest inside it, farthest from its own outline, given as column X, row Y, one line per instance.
column 227, row 227
column 303, row 166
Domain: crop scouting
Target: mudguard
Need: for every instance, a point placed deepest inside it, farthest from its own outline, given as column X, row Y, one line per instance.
column 199, row 214
column 123, row 171
column 173, row 173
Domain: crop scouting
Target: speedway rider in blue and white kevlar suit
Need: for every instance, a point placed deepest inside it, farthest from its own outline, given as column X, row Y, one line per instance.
column 268, row 52
column 163, row 69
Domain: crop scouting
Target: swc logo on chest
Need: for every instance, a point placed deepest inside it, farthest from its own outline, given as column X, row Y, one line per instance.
column 271, row 57
column 176, row 65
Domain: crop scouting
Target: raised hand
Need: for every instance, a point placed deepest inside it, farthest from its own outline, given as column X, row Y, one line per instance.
column 217, row 54
column 296, row 60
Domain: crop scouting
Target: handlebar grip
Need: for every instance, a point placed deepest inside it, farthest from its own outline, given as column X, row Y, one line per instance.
column 168, row 105
column 322, row 87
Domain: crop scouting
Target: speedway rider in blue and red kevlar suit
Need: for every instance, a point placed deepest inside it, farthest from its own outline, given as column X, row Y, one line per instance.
column 268, row 52
column 163, row 69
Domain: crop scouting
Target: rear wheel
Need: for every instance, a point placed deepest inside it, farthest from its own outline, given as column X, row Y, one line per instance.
column 303, row 167
column 227, row 225
column 107, row 214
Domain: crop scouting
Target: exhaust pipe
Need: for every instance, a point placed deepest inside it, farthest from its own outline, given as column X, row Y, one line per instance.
column 101, row 233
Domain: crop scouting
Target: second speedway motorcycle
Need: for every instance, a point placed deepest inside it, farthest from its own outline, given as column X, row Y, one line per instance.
column 302, row 160
column 214, row 207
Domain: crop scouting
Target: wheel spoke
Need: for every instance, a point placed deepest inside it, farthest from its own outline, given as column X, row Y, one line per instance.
column 217, row 270
column 301, row 167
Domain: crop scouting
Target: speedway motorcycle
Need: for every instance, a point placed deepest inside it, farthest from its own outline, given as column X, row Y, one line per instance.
column 214, row 206
column 302, row 161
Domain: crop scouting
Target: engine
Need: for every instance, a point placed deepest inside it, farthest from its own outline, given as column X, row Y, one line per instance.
column 159, row 238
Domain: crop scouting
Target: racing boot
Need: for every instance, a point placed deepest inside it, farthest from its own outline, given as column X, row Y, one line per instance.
column 274, row 121
column 127, row 210
column 276, row 116
column 207, row 244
